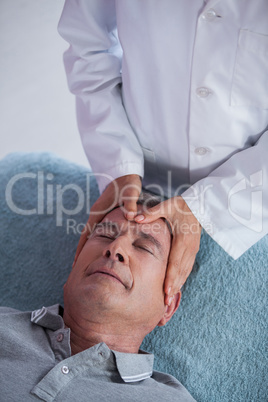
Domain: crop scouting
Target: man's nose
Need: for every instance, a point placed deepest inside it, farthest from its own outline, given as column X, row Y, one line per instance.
column 115, row 252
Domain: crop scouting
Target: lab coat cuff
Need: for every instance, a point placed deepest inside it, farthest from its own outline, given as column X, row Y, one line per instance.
column 233, row 233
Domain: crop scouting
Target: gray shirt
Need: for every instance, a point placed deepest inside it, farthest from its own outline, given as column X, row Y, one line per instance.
column 36, row 363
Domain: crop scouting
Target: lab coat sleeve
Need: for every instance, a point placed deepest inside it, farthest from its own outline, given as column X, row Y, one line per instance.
column 231, row 203
column 93, row 68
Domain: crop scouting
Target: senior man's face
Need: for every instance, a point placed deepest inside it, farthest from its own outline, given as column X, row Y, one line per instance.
column 121, row 270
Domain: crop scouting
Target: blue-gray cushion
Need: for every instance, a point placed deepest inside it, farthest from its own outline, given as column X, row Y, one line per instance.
column 216, row 342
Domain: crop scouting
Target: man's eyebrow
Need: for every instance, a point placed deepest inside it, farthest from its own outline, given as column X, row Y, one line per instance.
column 153, row 240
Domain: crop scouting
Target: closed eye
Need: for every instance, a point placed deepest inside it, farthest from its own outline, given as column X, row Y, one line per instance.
column 106, row 237
column 145, row 249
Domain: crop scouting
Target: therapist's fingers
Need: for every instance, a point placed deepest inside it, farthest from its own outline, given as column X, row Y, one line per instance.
column 181, row 260
column 129, row 195
column 186, row 232
column 152, row 214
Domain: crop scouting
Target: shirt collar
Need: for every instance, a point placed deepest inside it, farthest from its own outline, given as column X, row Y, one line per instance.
column 132, row 367
column 49, row 317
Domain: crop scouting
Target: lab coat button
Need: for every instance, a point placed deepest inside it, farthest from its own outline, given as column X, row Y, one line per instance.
column 200, row 151
column 203, row 92
column 209, row 15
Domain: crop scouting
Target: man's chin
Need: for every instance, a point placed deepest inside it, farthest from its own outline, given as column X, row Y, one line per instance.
column 104, row 290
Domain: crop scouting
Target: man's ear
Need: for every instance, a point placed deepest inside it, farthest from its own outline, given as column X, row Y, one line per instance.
column 170, row 310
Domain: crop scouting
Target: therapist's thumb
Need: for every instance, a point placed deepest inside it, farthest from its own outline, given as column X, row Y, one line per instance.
column 129, row 194
column 151, row 214
column 130, row 205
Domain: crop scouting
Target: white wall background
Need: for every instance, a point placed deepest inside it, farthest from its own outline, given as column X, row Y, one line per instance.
column 37, row 112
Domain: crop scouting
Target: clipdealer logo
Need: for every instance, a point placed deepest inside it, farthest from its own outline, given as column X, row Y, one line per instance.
column 243, row 201
column 246, row 197
column 50, row 196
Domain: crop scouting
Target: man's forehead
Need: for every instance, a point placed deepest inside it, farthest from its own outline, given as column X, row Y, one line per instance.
column 115, row 219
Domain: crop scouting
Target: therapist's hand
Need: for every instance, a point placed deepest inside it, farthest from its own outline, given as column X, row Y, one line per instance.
column 186, row 232
column 124, row 191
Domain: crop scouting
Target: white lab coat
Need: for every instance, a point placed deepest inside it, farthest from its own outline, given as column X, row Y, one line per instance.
column 184, row 104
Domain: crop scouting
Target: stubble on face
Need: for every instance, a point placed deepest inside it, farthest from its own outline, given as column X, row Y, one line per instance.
column 132, row 287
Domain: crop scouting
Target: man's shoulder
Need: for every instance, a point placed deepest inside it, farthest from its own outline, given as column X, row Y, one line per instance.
column 172, row 382
column 12, row 312
column 165, row 378
column 12, row 318
column 9, row 310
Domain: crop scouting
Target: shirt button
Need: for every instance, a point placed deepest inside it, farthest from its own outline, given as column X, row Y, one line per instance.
column 65, row 370
column 209, row 15
column 201, row 151
column 60, row 337
column 203, row 92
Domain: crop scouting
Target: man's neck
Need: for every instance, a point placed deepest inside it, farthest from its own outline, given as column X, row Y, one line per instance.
column 85, row 334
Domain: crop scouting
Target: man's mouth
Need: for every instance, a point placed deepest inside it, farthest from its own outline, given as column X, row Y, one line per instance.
column 112, row 275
